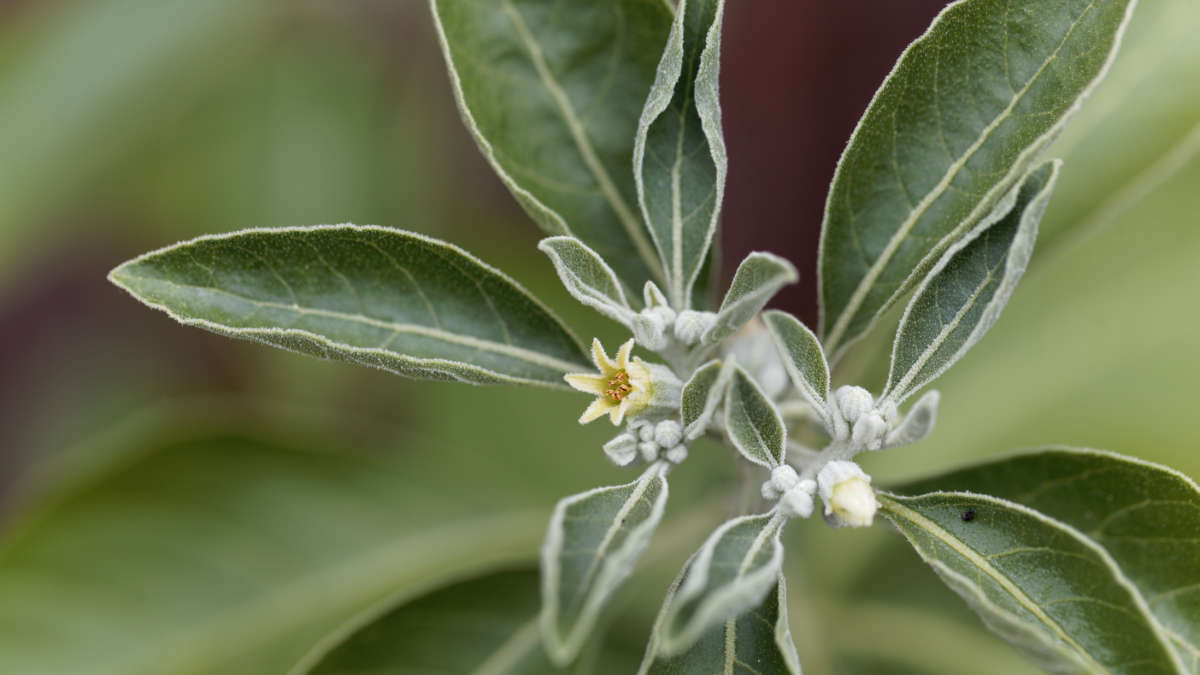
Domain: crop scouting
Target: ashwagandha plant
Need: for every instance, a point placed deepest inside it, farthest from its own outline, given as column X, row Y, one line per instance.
column 603, row 120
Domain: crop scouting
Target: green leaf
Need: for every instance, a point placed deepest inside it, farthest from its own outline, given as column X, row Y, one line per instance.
column 202, row 552
column 804, row 360
column 1145, row 517
column 965, row 292
column 591, row 547
column 484, row 625
column 679, row 158
column 702, row 395
column 379, row 297
column 959, row 120
column 731, row 573
column 754, row 424
column 551, row 93
column 756, row 280
column 1036, row 581
column 918, row 422
column 757, row 641
column 587, row 277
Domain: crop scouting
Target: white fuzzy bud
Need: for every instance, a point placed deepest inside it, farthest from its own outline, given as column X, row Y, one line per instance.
column 796, row 504
column 668, row 433
column 846, row 491
column 890, row 413
column 869, row 431
column 690, row 325
column 650, row 327
column 794, row 495
column 853, row 402
column 621, row 450
column 646, row 432
column 649, row 450
column 677, row 454
column 783, row 478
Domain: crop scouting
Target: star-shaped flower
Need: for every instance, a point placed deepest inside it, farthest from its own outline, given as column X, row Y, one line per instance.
column 623, row 387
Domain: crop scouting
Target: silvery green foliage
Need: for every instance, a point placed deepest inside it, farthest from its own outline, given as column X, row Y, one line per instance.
column 1082, row 558
column 701, row 396
column 759, row 640
column 967, row 289
column 594, row 540
column 679, row 152
column 380, row 297
column 587, row 277
column 754, row 425
column 963, row 115
column 758, row 277
column 731, row 573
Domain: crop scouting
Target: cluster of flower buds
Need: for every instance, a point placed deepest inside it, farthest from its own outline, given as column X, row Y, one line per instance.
column 650, row 441
column 869, row 423
column 795, row 495
column 658, row 325
column 842, row 485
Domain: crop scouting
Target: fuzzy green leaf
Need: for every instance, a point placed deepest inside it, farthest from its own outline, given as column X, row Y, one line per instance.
column 757, row 642
column 965, row 292
column 1145, row 516
column 481, row 625
column 679, row 155
column 587, row 277
column 754, row 424
column 731, row 573
column 756, row 280
column 959, row 120
column 593, row 543
column 702, row 394
column 804, row 360
column 374, row 296
column 1041, row 584
column 551, row 93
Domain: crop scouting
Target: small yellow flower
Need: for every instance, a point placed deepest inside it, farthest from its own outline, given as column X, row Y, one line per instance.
column 623, row 387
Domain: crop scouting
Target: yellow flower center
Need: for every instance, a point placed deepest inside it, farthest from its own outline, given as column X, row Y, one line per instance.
column 618, row 387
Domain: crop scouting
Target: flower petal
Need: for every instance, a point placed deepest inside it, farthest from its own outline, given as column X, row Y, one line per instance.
column 623, row 354
column 591, row 384
column 597, row 410
column 601, row 359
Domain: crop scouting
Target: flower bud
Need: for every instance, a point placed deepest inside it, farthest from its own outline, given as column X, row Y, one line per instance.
column 846, row 491
column 796, row 504
column 646, row 432
column 691, row 325
column 677, row 454
column 668, row 433
column 650, row 327
column 853, row 402
column 649, row 450
column 782, row 479
column 869, row 431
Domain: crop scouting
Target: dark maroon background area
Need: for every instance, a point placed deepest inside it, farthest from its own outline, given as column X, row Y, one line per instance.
column 795, row 77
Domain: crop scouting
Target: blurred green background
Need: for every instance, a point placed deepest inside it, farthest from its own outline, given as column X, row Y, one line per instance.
column 173, row 502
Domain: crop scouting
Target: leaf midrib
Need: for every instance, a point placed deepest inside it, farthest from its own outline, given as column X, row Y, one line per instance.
column 981, row 563
column 860, row 292
column 396, row 328
column 578, row 134
column 639, row 490
column 900, row 390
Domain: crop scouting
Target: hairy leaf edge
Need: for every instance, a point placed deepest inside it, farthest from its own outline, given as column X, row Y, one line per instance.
column 439, row 365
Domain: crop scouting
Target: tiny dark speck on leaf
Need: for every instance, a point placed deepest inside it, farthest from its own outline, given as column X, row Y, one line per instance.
column 968, row 515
